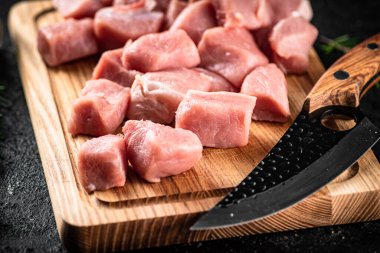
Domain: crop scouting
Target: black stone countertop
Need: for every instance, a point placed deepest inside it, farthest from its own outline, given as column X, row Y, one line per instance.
column 26, row 217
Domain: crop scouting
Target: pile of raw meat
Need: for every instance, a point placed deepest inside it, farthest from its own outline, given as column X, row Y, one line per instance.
column 184, row 74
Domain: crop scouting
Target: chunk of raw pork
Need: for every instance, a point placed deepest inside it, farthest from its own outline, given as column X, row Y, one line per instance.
column 130, row 3
column 155, row 96
column 114, row 26
column 174, row 9
column 156, row 5
column 268, row 84
column 102, row 163
column 154, row 52
column 100, row 109
column 126, row 2
column 149, row 5
column 219, row 119
column 251, row 14
column 291, row 40
column 195, row 19
column 79, row 8
column 157, row 151
column 110, row 67
column 67, row 41
column 217, row 82
column 230, row 52
column 283, row 9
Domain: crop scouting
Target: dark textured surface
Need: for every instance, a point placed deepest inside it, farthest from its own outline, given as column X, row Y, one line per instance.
column 26, row 217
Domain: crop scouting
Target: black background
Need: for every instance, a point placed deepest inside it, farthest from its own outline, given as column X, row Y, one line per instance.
column 26, row 217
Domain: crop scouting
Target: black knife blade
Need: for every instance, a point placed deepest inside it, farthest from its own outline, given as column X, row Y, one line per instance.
column 302, row 162
column 309, row 155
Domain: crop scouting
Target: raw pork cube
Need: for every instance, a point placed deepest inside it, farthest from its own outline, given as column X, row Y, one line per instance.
column 100, row 109
column 155, row 96
column 217, row 82
column 174, row 9
column 130, row 3
column 155, row 5
column 110, row 67
column 114, row 26
column 102, row 163
column 67, row 41
column 251, row 14
column 291, row 40
column 126, row 2
column 79, row 8
column 195, row 19
column 149, row 5
column 283, row 9
column 230, row 52
column 268, row 84
column 157, row 151
column 154, row 52
column 220, row 119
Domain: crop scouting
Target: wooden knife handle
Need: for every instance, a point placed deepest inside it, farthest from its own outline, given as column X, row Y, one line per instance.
column 349, row 78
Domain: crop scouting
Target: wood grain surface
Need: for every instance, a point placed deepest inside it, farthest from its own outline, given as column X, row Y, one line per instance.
column 146, row 215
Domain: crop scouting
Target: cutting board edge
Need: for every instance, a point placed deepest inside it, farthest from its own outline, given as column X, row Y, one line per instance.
column 69, row 232
column 64, row 223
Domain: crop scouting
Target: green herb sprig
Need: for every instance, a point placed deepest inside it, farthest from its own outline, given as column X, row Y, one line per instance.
column 342, row 43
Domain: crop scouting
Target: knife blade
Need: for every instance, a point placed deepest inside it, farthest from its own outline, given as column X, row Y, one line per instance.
column 310, row 154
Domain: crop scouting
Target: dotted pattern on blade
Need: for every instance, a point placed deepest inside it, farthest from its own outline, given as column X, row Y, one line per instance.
column 304, row 143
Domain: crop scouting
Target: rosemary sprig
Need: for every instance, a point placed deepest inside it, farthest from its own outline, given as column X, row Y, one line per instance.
column 342, row 43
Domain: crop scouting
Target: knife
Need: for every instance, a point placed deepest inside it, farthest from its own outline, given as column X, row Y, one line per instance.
column 311, row 153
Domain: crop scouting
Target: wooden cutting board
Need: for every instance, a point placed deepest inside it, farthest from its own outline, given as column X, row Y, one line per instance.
column 146, row 215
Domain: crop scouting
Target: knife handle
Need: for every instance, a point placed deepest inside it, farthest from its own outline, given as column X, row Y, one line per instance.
column 349, row 78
